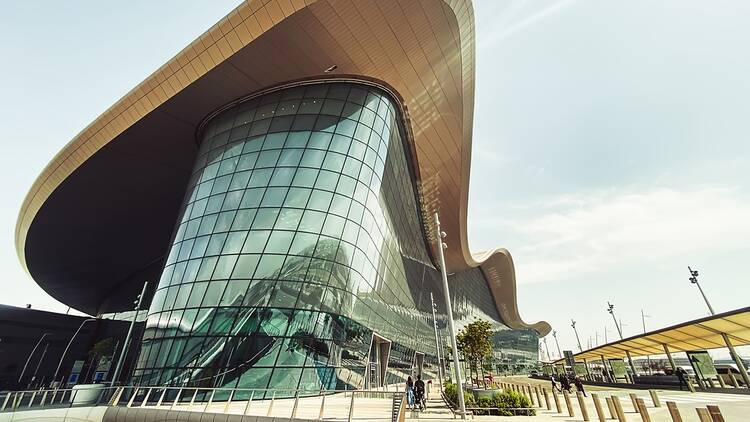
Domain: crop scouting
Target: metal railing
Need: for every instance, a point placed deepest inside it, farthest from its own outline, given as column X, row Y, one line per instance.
column 337, row 405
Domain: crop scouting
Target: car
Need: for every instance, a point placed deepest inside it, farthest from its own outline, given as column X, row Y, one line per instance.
column 534, row 373
column 723, row 371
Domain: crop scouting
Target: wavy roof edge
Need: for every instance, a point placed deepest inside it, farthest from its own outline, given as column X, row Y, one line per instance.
column 425, row 51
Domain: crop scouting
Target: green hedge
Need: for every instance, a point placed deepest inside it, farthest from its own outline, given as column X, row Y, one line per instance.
column 504, row 400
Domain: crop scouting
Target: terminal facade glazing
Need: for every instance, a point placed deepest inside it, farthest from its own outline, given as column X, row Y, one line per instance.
column 299, row 261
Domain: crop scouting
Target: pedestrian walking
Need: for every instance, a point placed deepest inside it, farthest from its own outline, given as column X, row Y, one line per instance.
column 419, row 391
column 565, row 383
column 554, row 383
column 410, row 393
column 579, row 385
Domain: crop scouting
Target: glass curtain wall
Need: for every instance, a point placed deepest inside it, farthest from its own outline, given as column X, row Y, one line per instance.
column 299, row 243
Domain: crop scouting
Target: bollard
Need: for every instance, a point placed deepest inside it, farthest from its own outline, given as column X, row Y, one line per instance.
column 611, row 407
column 618, row 408
column 715, row 413
column 538, row 397
column 546, row 398
column 568, row 404
column 582, row 406
column 674, row 411
column 557, row 401
column 655, row 398
column 703, row 414
column 598, row 407
column 531, row 396
column 633, row 398
column 645, row 417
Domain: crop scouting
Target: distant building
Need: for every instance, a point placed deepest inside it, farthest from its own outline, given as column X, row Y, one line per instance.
column 32, row 344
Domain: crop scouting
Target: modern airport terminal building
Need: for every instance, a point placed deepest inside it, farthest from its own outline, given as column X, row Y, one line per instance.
column 275, row 183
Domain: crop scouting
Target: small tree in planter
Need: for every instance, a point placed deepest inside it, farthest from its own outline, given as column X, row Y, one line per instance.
column 474, row 342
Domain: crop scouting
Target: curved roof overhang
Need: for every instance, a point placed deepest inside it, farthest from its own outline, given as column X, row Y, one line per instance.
column 98, row 219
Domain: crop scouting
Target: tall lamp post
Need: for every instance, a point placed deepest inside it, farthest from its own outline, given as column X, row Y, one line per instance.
column 23, row 371
column 737, row 361
column 694, row 279
column 126, row 345
column 559, row 353
column 573, row 324
column 449, row 310
column 549, row 357
column 65, row 352
column 643, row 321
column 611, row 310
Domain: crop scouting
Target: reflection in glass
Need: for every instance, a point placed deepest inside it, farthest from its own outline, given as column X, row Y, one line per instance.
column 298, row 241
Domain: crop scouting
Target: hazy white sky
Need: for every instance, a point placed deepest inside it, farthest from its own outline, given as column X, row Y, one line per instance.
column 610, row 140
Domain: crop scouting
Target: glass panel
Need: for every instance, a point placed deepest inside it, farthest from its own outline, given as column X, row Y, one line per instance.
column 299, row 237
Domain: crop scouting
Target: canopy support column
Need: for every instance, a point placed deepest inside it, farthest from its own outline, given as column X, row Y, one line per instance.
column 669, row 357
column 632, row 367
column 605, row 373
column 737, row 360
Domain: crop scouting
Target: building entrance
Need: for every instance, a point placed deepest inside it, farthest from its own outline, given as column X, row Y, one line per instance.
column 377, row 362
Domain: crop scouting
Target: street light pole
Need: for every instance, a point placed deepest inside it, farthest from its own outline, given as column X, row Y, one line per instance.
column 65, row 352
column 611, row 310
column 559, row 353
column 437, row 342
column 549, row 357
column 573, row 324
column 737, row 361
column 126, row 344
column 643, row 321
column 449, row 310
column 694, row 279
column 30, row 355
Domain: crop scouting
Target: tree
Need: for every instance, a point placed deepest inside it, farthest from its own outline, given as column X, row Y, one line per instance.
column 102, row 350
column 474, row 343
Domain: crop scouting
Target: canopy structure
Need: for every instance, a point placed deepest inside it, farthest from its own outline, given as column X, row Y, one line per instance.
column 699, row 334
column 98, row 220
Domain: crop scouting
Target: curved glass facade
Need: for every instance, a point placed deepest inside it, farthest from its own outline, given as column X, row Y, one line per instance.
column 299, row 258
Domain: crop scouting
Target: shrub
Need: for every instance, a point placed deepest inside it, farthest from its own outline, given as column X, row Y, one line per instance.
column 509, row 399
column 503, row 400
column 451, row 393
column 484, row 402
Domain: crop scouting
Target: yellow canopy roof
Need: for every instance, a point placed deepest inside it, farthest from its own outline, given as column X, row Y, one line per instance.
column 699, row 334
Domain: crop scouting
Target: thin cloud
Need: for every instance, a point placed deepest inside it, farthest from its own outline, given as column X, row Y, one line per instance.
column 505, row 31
column 566, row 237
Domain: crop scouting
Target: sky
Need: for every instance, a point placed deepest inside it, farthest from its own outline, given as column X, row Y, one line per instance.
column 609, row 146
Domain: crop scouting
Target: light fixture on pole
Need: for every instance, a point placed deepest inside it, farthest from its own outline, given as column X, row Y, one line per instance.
column 740, row 364
column 549, row 357
column 126, row 344
column 611, row 310
column 559, row 353
column 573, row 324
column 694, row 279
column 449, row 311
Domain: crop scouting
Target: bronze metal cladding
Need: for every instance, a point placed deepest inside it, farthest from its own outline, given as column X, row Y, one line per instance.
column 422, row 49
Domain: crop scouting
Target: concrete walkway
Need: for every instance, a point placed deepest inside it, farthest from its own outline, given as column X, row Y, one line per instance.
column 734, row 407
